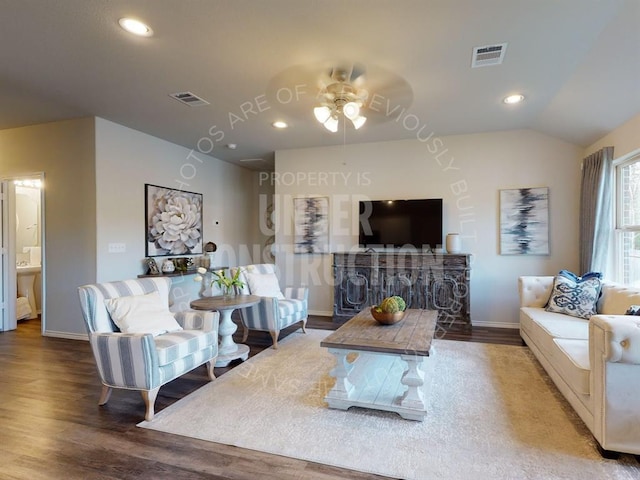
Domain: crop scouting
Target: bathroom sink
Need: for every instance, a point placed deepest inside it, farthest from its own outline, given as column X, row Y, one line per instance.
column 22, row 269
column 26, row 275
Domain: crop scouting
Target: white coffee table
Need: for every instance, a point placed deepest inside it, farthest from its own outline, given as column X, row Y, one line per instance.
column 382, row 367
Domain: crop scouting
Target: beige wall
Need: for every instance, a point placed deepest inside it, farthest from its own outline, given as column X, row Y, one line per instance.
column 127, row 159
column 64, row 151
column 624, row 139
column 95, row 172
column 467, row 172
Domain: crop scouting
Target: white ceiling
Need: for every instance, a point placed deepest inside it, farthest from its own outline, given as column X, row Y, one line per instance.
column 576, row 61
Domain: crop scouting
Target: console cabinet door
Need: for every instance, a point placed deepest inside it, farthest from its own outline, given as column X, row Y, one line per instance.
column 352, row 291
column 427, row 281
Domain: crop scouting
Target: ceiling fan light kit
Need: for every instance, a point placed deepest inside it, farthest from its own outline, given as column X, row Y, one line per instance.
column 322, row 113
column 340, row 98
column 331, row 124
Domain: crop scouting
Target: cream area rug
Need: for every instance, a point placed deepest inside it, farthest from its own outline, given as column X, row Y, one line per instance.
column 492, row 414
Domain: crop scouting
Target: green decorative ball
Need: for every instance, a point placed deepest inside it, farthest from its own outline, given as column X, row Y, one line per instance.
column 389, row 305
column 402, row 305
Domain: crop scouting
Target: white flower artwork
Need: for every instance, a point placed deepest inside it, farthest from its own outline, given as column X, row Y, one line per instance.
column 173, row 221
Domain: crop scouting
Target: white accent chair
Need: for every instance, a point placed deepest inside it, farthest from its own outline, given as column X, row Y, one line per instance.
column 276, row 310
column 144, row 361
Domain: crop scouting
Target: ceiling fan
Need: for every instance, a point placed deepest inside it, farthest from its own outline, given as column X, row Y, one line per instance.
column 339, row 91
column 341, row 97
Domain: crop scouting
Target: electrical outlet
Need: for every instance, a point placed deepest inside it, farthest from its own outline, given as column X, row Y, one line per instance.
column 117, row 247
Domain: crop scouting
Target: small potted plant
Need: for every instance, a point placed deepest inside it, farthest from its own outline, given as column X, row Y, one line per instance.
column 219, row 278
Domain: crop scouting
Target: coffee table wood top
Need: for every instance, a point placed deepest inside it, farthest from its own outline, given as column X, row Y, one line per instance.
column 411, row 336
column 220, row 302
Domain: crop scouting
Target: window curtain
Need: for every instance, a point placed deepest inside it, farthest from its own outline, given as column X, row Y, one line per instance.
column 596, row 210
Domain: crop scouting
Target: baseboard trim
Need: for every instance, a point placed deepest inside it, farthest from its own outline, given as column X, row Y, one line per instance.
column 328, row 313
column 496, row 325
column 67, row 335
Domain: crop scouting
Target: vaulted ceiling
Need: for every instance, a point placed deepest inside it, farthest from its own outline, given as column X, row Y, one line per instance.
column 577, row 62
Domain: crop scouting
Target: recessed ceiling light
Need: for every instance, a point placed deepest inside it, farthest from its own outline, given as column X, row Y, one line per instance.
column 280, row 124
column 232, row 146
column 514, row 99
column 136, row 27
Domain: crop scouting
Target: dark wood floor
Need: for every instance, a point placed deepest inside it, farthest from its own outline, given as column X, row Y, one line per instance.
column 52, row 428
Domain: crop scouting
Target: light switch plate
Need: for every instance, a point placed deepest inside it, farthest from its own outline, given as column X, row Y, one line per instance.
column 117, row 247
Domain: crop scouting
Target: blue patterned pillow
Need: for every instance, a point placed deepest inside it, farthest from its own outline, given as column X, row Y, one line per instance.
column 633, row 310
column 575, row 296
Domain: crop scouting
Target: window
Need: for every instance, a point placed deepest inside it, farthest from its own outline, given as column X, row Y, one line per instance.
column 627, row 230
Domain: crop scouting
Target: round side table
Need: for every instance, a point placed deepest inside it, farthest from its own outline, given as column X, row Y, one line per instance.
column 228, row 350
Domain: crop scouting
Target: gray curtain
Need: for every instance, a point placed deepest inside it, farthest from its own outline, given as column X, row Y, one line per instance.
column 596, row 204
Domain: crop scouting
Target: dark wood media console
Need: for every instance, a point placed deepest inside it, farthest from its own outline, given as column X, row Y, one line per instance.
column 430, row 281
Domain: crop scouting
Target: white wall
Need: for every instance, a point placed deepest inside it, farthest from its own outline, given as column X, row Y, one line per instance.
column 127, row 159
column 467, row 171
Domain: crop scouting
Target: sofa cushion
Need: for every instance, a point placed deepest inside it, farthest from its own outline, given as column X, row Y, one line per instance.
column 616, row 299
column 176, row 345
column 573, row 363
column 290, row 307
column 575, row 296
column 552, row 324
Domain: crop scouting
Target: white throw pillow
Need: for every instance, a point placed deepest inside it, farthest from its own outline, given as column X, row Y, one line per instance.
column 141, row 314
column 264, row 285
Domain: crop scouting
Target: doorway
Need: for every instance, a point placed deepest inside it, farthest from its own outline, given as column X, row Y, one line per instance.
column 22, row 282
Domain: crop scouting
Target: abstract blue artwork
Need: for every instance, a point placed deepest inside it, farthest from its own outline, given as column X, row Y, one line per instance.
column 524, row 221
column 311, row 224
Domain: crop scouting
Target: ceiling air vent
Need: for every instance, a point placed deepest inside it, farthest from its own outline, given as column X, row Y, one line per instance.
column 488, row 55
column 189, row 98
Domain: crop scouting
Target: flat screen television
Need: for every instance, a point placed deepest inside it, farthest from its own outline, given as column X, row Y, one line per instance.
column 400, row 223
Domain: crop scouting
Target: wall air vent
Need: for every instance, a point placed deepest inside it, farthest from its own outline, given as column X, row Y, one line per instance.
column 189, row 98
column 488, row 55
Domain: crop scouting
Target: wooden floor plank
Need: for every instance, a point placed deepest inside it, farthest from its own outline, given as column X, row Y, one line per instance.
column 53, row 428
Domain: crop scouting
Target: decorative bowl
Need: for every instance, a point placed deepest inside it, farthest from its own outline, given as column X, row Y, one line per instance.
column 386, row 318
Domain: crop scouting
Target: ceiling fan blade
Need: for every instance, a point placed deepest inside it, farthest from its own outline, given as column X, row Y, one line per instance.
column 297, row 90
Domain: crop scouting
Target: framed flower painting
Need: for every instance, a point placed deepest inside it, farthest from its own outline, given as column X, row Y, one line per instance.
column 173, row 221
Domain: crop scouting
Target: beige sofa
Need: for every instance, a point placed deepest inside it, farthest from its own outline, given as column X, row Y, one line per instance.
column 595, row 363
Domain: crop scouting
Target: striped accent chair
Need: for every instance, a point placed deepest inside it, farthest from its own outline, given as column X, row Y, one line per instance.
column 141, row 361
column 272, row 314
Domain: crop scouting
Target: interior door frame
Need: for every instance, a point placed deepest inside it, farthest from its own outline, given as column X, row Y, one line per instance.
column 9, row 278
column 9, row 284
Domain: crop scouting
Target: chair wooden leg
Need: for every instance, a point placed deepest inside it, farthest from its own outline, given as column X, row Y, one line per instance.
column 304, row 326
column 245, row 333
column 149, row 398
column 274, row 336
column 210, row 364
column 105, row 395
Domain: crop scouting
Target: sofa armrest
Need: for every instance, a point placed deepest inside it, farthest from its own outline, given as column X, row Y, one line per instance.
column 617, row 337
column 296, row 293
column 534, row 291
column 263, row 316
column 198, row 320
column 126, row 360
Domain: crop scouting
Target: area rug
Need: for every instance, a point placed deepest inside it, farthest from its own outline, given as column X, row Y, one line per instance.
column 492, row 414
